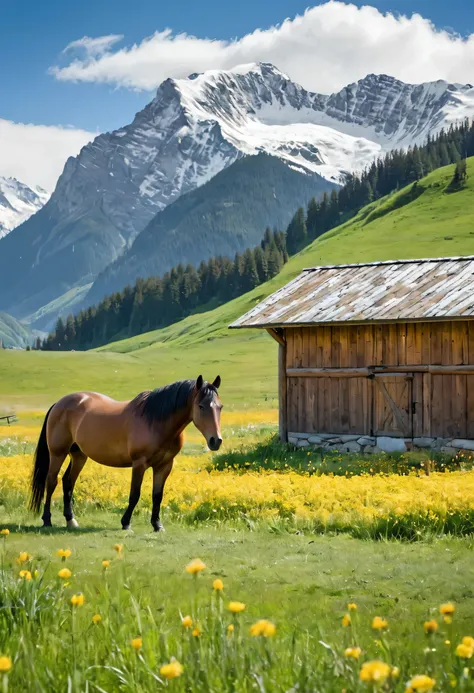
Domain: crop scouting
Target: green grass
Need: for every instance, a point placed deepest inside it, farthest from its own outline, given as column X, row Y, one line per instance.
column 300, row 582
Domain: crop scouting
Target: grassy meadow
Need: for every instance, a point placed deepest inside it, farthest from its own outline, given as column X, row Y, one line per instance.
column 294, row 536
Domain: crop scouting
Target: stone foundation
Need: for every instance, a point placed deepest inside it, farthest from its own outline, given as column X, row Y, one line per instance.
column 371, row 444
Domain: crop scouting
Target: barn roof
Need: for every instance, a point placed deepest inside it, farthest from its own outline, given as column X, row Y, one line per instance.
column 405, row 290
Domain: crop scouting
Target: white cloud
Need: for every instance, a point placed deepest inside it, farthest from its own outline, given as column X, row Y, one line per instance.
column 328, row 47
column 93, row 47
column 36, row 154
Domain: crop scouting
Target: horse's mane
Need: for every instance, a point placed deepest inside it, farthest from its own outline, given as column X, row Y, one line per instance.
column 160, row 404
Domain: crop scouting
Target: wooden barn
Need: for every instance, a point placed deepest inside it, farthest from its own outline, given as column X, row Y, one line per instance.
column 375, row 356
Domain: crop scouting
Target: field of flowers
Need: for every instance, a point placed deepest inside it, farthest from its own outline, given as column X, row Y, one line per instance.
column 276, row 601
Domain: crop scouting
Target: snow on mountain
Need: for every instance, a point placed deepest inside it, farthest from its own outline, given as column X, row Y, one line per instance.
column 193, row 129
column 18, row 202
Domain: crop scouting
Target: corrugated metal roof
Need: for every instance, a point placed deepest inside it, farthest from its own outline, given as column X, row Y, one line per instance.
column 428, row 289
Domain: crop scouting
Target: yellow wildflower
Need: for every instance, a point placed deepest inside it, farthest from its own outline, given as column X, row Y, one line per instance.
column 196, row 631
column 5, row 532
column 105, row 564
column 171, row 670
column 63, row 553
column 374, row 672
column 430, row 626
column 395, row 673
column 352, row 606
column 379, row 623
column 118, row 548
column 5, row 664
column 420, row 684
column 464, row 651
column 187, row 622
column 468, row 641
column 195, row 566
column 447, row 609
column 64, row 574
column 25, row 574
column 77, row 599
column 236, row 607
column 346, row 620
column 137, row 643
column 96, row 619
column 448, row 619
column 230, row 628
column 24, row 557
column 218, row 585
column 352, row 652
column 447, row 642
column 263, row 627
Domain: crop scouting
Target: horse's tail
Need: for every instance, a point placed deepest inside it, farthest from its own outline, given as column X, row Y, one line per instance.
column 41, row 468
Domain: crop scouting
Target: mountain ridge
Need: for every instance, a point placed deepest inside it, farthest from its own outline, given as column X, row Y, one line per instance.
column 190, row 131
column 18, row 202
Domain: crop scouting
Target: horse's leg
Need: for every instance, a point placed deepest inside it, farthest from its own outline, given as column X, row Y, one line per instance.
column 160, row 474
column 55, row 465
column 78, row 460
column 138, row 471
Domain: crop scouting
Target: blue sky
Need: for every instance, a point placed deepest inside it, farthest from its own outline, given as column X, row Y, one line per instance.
column 34, row 35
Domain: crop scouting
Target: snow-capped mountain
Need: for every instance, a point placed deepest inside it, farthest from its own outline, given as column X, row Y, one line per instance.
column 18, row 202
column 190, row 131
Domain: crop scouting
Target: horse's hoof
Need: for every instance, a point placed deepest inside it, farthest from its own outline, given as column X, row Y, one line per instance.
column 72, row 524
column 126, row 526
column 159, row 528
column 47, row 524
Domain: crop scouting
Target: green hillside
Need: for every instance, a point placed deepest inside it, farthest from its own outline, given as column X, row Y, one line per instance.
column 13, row 333
column 436, row 223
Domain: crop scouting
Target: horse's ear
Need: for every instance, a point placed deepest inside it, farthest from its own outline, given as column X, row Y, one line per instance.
column 217, row 382
column 199, row 382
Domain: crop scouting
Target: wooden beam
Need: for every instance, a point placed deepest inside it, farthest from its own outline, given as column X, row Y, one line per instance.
column 282, row 393
column 277, row 335
column 327, row 372
column 377, row 371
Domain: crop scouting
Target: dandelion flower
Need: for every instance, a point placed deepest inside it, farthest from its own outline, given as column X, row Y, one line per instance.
column 25, row 574
column 447, row 609
column 230, row 628
column 195, row 567
column 379, row 623
column 218, row 585
column 236, row 607
column 420, row 684
column 352, row 652
column 63, row 553
column 24, row 557
column 352, row 606
column 5, row 664
column 105, row 564
column 196, row 632
column 464, row 651
column 77, row 599
column 137, row 643
column 430, row 626
column 187, row 622
column 118, row 548
column 395, row 673
column 5, row 532
column 346, row 620
column 374, row 672
column 64, row 574
column 263, row 627
column 96, row 619
column 171, row 670
column 468, row 641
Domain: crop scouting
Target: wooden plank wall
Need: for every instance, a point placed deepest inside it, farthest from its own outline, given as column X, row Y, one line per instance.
column 445, row 403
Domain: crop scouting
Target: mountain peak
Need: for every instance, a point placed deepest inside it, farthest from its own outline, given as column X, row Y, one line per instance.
column 18, row 202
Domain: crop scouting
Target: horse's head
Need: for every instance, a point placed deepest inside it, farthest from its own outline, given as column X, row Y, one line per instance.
column 207, row 411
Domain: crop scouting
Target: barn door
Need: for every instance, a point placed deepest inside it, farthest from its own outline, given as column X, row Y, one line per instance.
column 393, row 405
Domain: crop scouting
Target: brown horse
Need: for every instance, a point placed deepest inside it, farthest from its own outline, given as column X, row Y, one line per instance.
column 144, row 432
